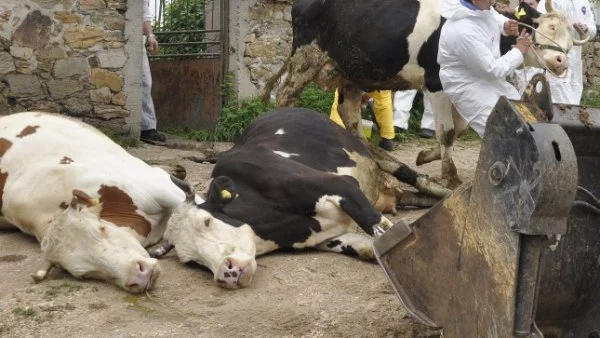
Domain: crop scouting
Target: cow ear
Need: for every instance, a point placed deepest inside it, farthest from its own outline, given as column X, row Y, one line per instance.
column 222, row 191
column 81, row 198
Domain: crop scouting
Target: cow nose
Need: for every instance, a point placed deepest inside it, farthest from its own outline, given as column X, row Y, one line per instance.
column 234, row 273
column 560, row 59
column 142, row 275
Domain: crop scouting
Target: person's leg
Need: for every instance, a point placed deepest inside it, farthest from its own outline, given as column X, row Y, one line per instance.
column 427, row 122
column 333, row 114
column 382, row 107
column 403, row 101
column 148, row 124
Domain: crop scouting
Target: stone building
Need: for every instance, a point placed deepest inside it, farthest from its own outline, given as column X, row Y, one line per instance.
column 76, row 57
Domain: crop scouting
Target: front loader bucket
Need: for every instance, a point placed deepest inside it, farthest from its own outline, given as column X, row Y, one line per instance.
column 510, row 251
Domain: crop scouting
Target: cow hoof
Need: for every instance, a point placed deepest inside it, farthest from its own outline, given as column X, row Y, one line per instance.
column 453, row 183
column 424, row 156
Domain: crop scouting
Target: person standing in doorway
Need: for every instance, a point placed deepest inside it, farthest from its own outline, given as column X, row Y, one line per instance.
column 148, row 125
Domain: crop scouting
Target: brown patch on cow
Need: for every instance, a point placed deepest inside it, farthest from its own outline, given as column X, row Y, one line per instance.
column 118, row 208
column 27, row 131
column 63, row 205
column 4, row 146
column 66, row 160
column 3, row 178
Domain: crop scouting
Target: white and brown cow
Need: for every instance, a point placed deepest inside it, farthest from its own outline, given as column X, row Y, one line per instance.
column 294, row 179
column 91, row 205
column 357, row 45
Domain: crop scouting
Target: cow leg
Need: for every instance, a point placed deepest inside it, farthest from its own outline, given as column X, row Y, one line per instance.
column 351, row 244
column 349, row 109
column 405, row 174
column 446, row 140
column 162, row 250
column 302, row 68
column 343, row 193
column 445, row 117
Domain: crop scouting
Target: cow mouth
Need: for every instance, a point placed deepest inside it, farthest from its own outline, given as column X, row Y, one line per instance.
column 141, row 288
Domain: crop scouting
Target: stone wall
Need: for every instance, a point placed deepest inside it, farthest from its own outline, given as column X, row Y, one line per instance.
column 69, row 57
column 591, row 67
column 260, row 40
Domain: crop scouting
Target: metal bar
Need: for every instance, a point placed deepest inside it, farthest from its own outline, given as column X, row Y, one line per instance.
column 165, row 44
column 527, row 286
column 225, row 43
column 202, row 55
column 188, row 31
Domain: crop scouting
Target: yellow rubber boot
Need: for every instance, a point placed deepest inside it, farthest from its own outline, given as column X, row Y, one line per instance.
column 383, row 110
column 333, row 115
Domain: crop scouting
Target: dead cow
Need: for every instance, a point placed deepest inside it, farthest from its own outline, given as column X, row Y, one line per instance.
column 389, row 44
column 294, row 179
column 91, row 205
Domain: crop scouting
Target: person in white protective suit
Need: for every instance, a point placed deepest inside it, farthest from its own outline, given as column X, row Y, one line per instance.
column 568, row 89
column 472, row 71
column 403, row 102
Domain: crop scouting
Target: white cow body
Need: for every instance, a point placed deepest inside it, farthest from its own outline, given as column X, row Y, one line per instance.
column 92, row 205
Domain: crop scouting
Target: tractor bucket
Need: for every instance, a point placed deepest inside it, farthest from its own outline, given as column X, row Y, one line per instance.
column 516, row 251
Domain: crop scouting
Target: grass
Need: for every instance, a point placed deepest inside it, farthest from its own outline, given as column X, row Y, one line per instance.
column 64, row 288
column 24, row 312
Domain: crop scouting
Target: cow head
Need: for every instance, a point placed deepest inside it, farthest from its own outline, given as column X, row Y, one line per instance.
column 202, row 233
column 552, row 38
column 86, row 246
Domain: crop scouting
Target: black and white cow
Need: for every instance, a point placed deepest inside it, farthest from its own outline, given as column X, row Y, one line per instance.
column 357, row 45
column 294, row 179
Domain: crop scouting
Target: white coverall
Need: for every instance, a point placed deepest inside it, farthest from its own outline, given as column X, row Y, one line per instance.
column 148, row 113
column 471, row 69
column 569, row 88
column 403, row 101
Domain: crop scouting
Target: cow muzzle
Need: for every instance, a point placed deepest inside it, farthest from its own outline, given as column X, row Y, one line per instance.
column 235, row 272
column 142, row 275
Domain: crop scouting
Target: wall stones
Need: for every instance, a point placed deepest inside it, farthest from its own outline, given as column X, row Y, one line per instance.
column 34, row 31
column 268, row 42
column 65, row 56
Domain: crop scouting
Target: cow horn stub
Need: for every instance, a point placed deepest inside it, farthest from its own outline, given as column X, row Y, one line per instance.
column 190, row 194
column 80, row 197
column 584, row 34
column 549, row 7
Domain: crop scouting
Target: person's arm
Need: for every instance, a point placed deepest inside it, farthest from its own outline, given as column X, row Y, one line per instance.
column 147, row 28
column 472, row 50
column 588, row 19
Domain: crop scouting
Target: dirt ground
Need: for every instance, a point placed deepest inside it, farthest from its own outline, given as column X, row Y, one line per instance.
column 294, row 294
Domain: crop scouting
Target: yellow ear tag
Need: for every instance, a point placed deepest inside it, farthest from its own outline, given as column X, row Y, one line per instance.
column 520, row 13
column 225, row 194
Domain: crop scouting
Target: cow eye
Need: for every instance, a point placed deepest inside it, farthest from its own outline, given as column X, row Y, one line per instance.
column 208, row 221
column 102, row 228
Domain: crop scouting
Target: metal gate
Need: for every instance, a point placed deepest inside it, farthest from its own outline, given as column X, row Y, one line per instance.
column 188, row 70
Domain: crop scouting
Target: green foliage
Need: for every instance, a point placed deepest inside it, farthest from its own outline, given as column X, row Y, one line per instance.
column 315, row 98
column 181, row 15
column 25, row 312
column 592, row 100
column 124, row 140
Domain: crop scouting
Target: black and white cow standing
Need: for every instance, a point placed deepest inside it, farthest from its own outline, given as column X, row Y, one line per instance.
column 294, row 179
column 359, row 45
